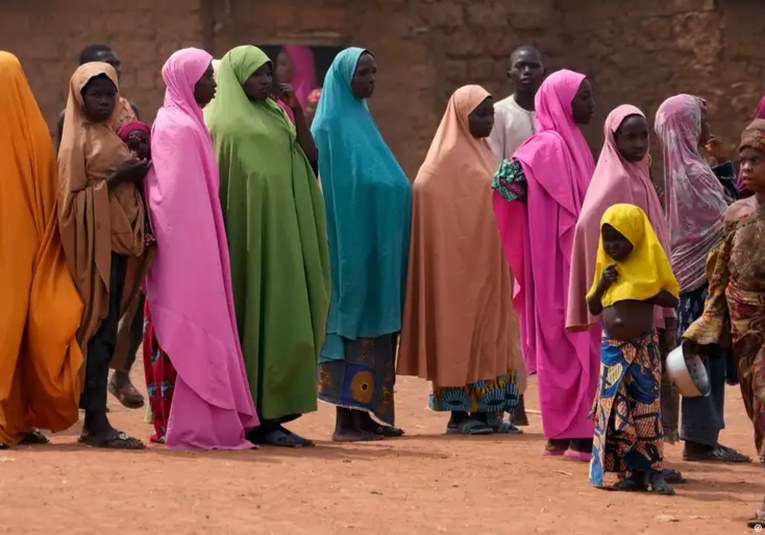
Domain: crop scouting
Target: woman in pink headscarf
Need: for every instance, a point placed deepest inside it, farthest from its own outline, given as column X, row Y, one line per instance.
column 537, row 199
column 694, row 207
column 621, row 176
column 198, row 389
column 295, row 66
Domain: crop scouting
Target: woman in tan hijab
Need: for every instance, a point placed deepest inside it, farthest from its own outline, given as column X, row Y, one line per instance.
column 101, row 217
column 460, row 329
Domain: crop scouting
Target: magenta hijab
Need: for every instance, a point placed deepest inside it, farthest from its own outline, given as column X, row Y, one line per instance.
column 537, row 237
column 760, row 113
column 615, row 181
column 189, row 285
column 695, row 199
column 304, row 77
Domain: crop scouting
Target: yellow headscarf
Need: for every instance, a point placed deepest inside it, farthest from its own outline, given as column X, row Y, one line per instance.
column 646, row 271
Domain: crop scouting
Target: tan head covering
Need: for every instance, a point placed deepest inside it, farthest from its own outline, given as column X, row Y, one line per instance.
column 753, row 136
column 93, row 220
column 459, row 323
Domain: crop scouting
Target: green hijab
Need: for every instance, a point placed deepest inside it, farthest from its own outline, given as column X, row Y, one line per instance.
column 277, row 236
column 231, row 107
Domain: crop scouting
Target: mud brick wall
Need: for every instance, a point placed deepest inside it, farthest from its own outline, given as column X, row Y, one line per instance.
column 425, row 49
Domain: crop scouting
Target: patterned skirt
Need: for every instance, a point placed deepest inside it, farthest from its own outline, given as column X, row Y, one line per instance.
column 160, row 379
column 627, row 412
column 495, row 396
column 747, row 316
column 365, row 379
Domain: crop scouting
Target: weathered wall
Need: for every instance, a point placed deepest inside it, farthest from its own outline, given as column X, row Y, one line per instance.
column 425, row 48
column 47, row 35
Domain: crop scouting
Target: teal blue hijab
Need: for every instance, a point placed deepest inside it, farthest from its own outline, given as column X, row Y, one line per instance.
column 369, row 205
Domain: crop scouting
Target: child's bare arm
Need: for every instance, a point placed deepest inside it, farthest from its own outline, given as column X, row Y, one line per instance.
column 664, row 299
column 595, row 301
column 595, row 304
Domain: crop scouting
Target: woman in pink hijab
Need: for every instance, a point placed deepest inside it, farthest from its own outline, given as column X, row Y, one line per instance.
column 198, row 389
column 621, row 176
column 695, row 206
column 537, row 199
column 295, row 66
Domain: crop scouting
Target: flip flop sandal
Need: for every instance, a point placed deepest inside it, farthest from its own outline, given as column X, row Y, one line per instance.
column 662, row 488
column 303, row 442
column 388, row 431
column 626, row 485
column 34, row 438
column 553, row 452
column 580, row 456
column 470, row 426
column 128, row 395
column 506, row 428
column 120, row 441
column 673, row 476
column 757, row 521
column 277, row 437
column 719, row 454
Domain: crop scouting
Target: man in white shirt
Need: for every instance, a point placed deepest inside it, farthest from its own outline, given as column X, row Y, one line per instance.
column 514, row 119
column 514, row 116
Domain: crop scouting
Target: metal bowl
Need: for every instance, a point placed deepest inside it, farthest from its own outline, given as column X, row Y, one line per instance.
column 687, row 372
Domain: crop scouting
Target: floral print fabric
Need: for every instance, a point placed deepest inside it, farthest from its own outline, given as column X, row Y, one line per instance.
column 694, row 198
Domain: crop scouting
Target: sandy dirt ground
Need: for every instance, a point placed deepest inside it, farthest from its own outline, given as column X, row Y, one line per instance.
column 424, row 483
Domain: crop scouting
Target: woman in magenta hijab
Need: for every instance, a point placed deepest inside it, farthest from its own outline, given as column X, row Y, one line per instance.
column 295, row 66
column 537, row 199
column 191, row 346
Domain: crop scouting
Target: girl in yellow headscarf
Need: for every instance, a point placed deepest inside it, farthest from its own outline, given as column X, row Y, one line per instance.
column 632, row 276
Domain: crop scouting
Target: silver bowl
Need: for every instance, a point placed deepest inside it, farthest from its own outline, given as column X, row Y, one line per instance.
column 687, row 372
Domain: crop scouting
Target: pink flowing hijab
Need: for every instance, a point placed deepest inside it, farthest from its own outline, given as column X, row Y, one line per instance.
column 695, row 199
column 304, row 77
column 537, row 238
column 760, row 113
column 189, row 285
column 615, row 181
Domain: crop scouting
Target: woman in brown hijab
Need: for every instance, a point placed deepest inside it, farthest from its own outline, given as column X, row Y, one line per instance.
column 460, row 329
column 101, row 217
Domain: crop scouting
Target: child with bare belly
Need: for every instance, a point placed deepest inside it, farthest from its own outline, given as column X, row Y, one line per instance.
column 632, row 277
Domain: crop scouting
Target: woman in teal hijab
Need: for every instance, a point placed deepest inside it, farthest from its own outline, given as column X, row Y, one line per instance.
column 277, row 236
column 368, row 199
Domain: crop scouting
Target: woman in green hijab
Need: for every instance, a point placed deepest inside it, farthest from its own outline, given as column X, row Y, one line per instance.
column 277, row 235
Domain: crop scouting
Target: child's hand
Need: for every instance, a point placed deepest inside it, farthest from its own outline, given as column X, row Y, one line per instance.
column 610, row 276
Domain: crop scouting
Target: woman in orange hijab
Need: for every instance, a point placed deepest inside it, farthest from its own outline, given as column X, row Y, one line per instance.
column 101, row 217
column 40, row 312
column 460, row 329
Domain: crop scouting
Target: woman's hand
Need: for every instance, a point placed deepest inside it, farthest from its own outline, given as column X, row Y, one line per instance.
column 286, row 94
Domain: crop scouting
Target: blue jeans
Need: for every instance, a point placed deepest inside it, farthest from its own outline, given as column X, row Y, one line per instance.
column 704, row 417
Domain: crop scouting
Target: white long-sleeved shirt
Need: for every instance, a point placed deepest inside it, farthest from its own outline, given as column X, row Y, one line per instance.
column 512, row 126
